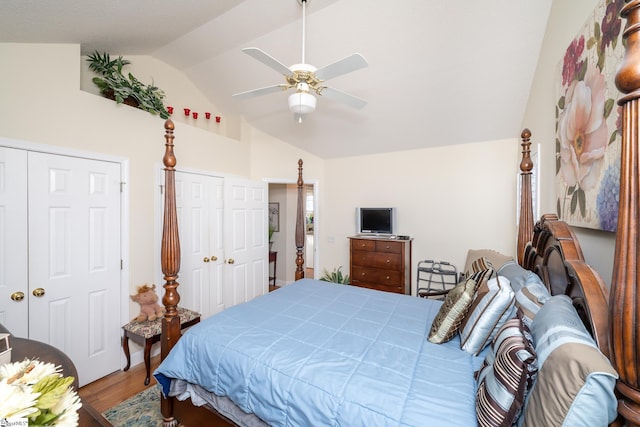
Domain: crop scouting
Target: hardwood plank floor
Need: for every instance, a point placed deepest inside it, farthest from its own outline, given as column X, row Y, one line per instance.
column 118, row 386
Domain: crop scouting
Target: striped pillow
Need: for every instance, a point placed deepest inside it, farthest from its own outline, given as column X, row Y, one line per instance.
column 529, row 299
column 479, row 264
column 575, row 385
column 506, row 376
column 492, row 306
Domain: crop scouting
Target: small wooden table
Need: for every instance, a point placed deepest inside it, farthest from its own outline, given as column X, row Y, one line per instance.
column 273, row 258
column 148, row 332
column 23, row 348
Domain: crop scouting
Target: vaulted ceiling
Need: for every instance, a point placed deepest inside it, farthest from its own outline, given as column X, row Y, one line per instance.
column 440, row 72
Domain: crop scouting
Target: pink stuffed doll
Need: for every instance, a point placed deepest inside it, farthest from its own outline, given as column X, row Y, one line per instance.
column 148, row 301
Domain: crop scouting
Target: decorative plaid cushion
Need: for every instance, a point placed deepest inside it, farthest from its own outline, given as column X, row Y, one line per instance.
column 456, row 304
column 452, row 311
column 506, row 376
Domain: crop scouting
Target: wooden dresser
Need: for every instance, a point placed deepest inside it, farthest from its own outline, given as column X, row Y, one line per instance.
column 380, row 263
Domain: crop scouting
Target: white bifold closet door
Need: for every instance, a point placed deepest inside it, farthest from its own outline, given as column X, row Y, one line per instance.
column 72, row 287
column 223, row 241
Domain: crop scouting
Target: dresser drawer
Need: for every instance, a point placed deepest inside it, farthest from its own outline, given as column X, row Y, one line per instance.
column 386, row 246
column 375, row 275
column 381, row 287
column 388, row 261
column 363, row 245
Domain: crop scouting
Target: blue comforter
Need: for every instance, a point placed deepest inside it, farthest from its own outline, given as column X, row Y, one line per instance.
column 320, row 354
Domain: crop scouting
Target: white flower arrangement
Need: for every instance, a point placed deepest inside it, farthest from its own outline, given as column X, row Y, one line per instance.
column 36, row 391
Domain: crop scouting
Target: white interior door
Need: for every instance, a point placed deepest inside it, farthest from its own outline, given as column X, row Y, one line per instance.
column 246, row 240
column 74, row 260
column 14, row 301
column 199, row 202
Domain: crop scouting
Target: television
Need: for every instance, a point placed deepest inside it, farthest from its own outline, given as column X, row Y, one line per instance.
column 377, row 221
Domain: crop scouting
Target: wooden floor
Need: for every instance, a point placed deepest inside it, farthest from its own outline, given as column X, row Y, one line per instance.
column 117, row 387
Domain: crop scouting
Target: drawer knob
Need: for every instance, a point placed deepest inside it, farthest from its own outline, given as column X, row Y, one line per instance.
column 364, row 274
column 388, row 277
column 388, row 261
column 388, row 246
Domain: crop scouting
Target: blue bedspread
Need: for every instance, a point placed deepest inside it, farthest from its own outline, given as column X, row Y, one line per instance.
column 319, row 354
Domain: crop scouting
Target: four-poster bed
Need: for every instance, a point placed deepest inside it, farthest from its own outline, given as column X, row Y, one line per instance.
column 549, row 249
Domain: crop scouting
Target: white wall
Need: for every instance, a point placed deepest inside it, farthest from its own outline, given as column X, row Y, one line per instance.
column 45, row 105
column 449, row 200
column 566, row 20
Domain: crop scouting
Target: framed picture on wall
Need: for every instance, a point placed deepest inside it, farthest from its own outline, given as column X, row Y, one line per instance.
column 274, row 216
column 588, row 120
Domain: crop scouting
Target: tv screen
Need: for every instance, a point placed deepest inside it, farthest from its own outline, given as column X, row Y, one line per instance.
column 376, row 220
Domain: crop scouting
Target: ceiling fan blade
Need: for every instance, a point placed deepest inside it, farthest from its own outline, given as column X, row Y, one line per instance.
column 344, row 98
column 343, row 66
column 260, row 91
column 267, row 60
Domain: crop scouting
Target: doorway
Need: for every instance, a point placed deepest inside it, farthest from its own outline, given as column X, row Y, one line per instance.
column 283, row 195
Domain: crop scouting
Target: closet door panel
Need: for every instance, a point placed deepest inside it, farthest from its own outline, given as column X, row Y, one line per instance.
column 199, row 214
column 74, row 259
column 216, row 242
column 14, row 301
column 245, row 240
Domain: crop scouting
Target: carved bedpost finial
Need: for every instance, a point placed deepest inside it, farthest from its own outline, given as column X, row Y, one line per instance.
column 525, row 225
column 526, row 165
column 300, row 226
column 628, row 75
column 169, row 158
column 300, row 180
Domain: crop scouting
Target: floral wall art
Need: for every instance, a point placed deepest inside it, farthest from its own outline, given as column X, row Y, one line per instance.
column 588, row 122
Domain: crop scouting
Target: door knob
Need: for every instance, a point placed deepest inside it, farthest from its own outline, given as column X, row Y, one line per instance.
column 230, row 261
column 206, row 259
column 214, row 258
column 17, row 296
column 38, row 292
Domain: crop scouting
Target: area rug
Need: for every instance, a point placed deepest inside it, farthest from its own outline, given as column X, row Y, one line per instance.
column 141, row 410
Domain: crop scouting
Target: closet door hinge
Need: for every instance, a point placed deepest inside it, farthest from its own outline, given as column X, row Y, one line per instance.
column 121, row 265
column 122, row 187
column 161, row 189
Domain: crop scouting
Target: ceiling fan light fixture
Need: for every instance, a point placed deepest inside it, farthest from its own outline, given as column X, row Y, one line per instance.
column 302, row 103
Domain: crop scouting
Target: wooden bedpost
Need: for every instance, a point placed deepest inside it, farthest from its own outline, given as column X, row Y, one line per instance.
column 525, row 225
column 170, row 260
column 300, row 225
column 625, row 294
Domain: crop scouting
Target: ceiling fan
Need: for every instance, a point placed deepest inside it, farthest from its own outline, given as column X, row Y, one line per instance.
column 306, row 78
